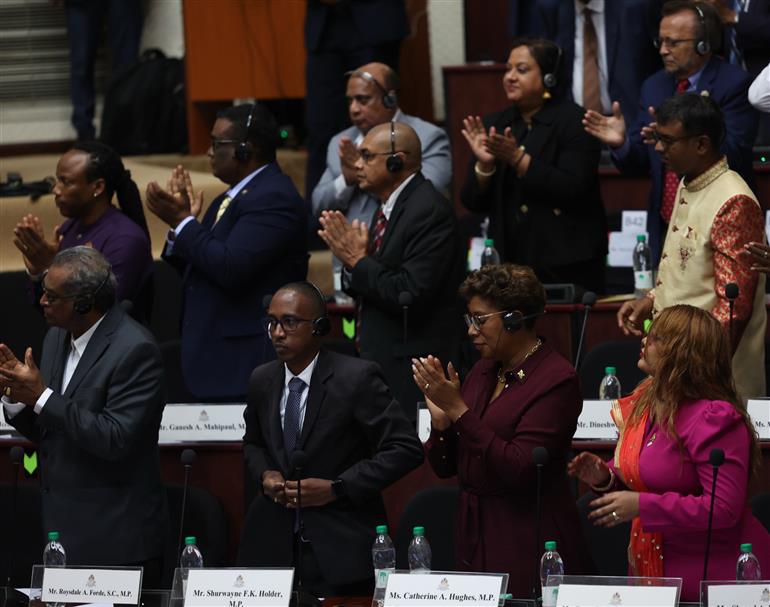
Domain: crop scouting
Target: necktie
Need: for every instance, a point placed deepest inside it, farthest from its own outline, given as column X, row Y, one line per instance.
column 378, row 233
column 592, row 98
column 733, row 51
column 671, row 179
column 291, row 428
column 222, row 208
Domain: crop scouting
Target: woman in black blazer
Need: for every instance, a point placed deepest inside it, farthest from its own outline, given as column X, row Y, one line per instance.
column 535, row 174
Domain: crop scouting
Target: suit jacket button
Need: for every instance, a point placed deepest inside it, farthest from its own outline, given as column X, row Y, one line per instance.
column 524, row 208
column 557, row 212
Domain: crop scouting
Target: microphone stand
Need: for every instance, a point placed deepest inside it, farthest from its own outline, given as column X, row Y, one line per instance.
column 716, row 459
column 187, row 458
column 300, row 598
column 589, row 299
column 540, row 457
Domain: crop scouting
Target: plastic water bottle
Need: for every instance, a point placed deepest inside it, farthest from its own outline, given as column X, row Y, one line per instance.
column 384, row 559
column 748, row 565
column 550, row 564
column 53, row 553
column 191, row 556
column 489, row 256
column 609, row 389
column 419, row 552
column 642, row 266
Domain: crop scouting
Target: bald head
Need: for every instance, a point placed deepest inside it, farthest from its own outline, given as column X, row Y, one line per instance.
column 406, row 143
column 383, row 74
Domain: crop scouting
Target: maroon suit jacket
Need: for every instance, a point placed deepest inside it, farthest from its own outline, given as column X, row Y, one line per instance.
column 490, row 449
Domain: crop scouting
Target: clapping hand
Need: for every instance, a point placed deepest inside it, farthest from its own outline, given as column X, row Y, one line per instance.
column 759, row 254
column 37, row 252
column 180, row 185
column 503, row 146
column 589, row 469
column 347, row 241
column 21, row 382
column 442, row 390
column 348, row 153
column 610, row 130
column 476, row 135
column 614, row 508
column 648, row 132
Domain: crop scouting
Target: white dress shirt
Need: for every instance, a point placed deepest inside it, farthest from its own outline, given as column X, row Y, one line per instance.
column 77, row 348
column 759, row 91
column 305, row 376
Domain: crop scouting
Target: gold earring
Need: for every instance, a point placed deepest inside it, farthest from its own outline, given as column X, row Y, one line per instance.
column 546, row 94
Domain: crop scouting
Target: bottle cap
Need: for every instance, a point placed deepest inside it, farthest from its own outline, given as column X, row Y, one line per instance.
column 53, row 536
column 418, row 531
column 641, row 238
column 550, row 545
column 189, row 540
column 382, row 529
column 489, row 242
column 609, row 370
column 745, row 547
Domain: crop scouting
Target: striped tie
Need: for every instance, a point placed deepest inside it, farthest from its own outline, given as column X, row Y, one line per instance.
column 222, row 208
column 291, row 426
column 378, row 233
column 592, row 97
column 670, row 178
column 734, row 54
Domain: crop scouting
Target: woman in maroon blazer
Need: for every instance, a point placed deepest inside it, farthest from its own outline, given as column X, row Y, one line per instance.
column 519, row 396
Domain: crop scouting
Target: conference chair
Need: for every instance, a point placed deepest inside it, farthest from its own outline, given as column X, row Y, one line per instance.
column 621, row 354
column 26, row 533
column 435, row 509
column 608, row 546
column 176, row 391
column 204, row 518
column 760, row 506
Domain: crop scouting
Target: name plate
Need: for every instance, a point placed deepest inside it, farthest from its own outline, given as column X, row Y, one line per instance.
column 748, row 594
column 64, row 585
column 759, row 411
column 238, row 587
column 202, row 422
column 595, row 421
column 444, row 589
column 584, row 595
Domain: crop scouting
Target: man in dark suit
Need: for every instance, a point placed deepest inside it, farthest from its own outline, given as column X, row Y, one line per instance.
column 689, row 34
column 339, row 412
column 412, row 256
column 93, row 408
column 340, row 35
column 624, row 54
column 253, row 239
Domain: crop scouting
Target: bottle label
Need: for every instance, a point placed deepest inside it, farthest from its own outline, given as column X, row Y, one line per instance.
column 381, row 578
column 550, row 595
column 643, row 279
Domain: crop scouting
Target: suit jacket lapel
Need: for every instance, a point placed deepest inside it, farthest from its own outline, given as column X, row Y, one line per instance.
column 54, row 369
column 275, row 431
column 315, row 398
column 98, row 343
column 611, row 21
column 708, row 75
column 398, row 209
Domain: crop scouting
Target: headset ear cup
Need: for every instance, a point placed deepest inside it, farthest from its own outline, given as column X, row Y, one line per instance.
column 512, row 321
column 549, row 81
column 703, row 47
column 83, row 306
column 394, row 163
column 243, row 152
column 321, row 326
column 389, row 100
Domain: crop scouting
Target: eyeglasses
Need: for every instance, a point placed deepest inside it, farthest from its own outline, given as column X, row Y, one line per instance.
column 52, row 297
column 670, row 43
column 367, row 156
column 667, row 141
column 218, row 143
column 476, row 321
column 288, row 324
column 359, row 99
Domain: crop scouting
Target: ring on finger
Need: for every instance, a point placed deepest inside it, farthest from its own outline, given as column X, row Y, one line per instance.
column 427, row 386
column 615, row 516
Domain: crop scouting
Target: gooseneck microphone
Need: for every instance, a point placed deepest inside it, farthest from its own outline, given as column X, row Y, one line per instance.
column 540, row 459
column 298, row 461
column 187, row 458
column 731, row 292
column 10, row 597
column 588, row 301
column 716, row 459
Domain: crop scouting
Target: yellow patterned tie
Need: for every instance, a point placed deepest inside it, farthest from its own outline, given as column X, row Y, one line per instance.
column 222, row 208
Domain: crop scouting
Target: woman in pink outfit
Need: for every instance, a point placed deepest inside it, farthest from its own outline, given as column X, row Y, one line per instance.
column 661, row 477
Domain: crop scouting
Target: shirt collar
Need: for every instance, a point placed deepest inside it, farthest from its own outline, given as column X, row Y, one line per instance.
column 596, row 6
column 695, row 78
column 235, row 190
column 79, row 344
column 387, row 208
column 305, row 375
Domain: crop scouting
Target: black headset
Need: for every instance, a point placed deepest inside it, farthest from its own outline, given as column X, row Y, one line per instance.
column 389, row 98
column 394, row 162
column 514, row 320
column 321, row 325
column 550, row 80
column 702, row 46
column 84, row 303
column 243, row 150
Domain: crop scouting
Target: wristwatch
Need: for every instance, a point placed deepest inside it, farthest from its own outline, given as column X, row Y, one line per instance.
column 338, row 488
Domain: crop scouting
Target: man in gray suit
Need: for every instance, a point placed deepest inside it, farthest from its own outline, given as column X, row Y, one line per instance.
column 93, row 408
column 372, row 99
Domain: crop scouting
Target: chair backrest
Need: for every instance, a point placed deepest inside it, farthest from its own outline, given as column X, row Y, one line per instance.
column 204, row 518
column 176, row 391
column 25, row 540
column 621, row 354
column 435, row 509
column 760, row 506
column 608, row 546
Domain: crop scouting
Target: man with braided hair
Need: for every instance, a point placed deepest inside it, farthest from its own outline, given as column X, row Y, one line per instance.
column 87, row 177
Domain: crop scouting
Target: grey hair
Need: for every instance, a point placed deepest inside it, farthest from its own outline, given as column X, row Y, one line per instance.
column 91, row 275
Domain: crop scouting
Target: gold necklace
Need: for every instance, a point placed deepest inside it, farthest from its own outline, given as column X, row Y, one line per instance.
column 501, row 376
